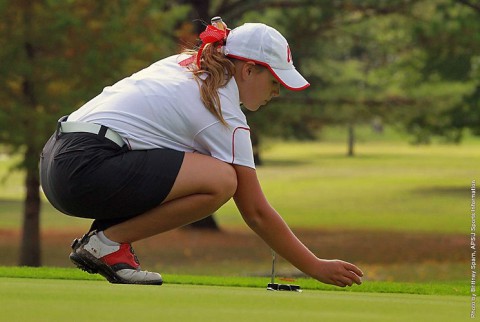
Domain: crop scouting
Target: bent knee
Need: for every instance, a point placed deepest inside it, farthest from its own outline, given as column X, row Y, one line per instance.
column 227, row 181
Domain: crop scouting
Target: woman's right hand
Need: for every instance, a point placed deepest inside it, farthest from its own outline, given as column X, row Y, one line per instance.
column 337, row 272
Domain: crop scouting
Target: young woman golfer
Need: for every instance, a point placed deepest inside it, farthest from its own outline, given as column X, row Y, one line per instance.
column 170, row 145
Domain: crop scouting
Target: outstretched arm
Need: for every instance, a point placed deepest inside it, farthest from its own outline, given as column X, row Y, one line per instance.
column 269, row 225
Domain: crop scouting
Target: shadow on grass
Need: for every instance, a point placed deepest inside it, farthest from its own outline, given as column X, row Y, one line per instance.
column 445, row 191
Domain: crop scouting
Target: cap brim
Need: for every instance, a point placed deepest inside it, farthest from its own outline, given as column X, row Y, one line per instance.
column 290, row 79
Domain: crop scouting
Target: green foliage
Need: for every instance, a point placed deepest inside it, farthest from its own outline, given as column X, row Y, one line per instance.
column 61, row 53
column 389, row 60
column 408, row 63
column 58, row 54
column 467, row 112
column 449, row 35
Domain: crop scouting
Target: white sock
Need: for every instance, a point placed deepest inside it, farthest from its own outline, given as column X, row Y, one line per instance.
column 105, row 240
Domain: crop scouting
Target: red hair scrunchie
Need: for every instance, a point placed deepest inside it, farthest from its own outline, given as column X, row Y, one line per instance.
column 211, row 35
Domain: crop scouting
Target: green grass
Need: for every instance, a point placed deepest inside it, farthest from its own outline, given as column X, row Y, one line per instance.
column 40, row 296
column 388, row 185
column 445, row 288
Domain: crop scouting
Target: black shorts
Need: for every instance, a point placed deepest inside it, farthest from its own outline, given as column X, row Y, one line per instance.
column 86, row 175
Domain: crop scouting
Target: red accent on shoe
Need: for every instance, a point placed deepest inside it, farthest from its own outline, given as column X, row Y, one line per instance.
column 124, row 255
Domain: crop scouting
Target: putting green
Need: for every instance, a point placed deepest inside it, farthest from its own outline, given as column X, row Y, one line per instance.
column 25, row 299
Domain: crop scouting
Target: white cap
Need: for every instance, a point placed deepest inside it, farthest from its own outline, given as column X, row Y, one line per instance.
column 264, row 45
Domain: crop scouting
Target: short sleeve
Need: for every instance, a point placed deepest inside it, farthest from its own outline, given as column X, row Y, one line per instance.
column 231, row 144
column 242, row 147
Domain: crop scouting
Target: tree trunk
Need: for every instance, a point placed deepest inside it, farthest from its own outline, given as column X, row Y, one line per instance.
column 201, row 11
column 256, row 147
column 351, row 140
column 30, row 244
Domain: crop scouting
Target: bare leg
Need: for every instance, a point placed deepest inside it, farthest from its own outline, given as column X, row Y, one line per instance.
column 202, row 186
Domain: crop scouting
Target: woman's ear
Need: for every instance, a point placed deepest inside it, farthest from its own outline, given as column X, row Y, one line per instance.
column 248, row 69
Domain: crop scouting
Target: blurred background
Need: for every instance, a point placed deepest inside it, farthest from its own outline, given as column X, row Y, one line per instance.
column 375, row 163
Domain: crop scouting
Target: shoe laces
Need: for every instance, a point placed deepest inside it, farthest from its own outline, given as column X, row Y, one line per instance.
column 134, row 255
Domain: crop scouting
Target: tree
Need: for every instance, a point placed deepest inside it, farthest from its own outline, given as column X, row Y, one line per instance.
column 466, row 113
column 59, row 54
column 408, row 63
column 344, row 50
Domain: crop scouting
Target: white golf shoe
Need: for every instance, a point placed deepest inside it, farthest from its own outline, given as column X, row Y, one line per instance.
column 118, row 264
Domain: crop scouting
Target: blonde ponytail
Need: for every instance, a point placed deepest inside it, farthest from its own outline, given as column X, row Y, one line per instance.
column 218, row 70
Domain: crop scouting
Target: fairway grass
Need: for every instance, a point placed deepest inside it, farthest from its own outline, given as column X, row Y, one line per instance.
column 385, row 187
column 33, row 299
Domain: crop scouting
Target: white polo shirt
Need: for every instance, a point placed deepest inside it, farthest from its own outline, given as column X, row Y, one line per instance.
column 160, row 107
